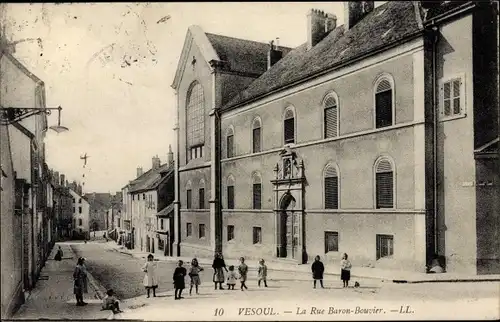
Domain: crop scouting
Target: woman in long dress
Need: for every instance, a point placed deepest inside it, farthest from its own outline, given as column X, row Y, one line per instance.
column 150, row 278
column 80, row 281
column 218, row 266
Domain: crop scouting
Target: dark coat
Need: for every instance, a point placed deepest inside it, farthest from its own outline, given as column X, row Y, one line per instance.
column 218, row 263
column 179, row 275
column 80, row 280
column 317, row 270
column 59, row 255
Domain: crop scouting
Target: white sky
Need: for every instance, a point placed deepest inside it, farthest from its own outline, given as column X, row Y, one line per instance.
column 80, row 58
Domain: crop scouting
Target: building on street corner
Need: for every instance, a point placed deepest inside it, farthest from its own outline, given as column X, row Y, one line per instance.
column 81, row 213
column 378, row 138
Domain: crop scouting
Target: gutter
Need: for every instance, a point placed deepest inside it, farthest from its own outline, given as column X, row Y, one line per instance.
column 450, row 13
column 328, row 69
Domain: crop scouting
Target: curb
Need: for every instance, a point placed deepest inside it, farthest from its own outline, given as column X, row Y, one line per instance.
column 98, row 288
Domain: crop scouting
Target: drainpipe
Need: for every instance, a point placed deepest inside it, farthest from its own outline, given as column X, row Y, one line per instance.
column 435, row 106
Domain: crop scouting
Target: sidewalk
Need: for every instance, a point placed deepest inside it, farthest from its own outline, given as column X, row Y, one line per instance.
column 53, row 296
column 395, row 276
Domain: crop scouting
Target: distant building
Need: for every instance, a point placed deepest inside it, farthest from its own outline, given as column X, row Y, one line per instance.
column 81, row 216
column 378, row 138
column 99, row 205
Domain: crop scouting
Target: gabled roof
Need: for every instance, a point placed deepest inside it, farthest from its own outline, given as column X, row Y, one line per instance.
column 232, row 54
column 166, row 211
column 151, row 179
column 437, row 9
column 387, row 24
column 242, row 56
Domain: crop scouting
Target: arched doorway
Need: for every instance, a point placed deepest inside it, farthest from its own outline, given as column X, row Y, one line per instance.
column 288, row 227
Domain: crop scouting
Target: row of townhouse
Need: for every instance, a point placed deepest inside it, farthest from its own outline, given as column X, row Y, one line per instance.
column 378, row 138
column 32, row 198
column 146, row 217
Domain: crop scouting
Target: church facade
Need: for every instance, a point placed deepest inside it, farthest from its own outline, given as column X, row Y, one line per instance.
column 365, row 140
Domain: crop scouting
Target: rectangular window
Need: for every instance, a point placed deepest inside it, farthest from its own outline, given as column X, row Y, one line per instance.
column 201, row 198
column 143, row 196
column 230, row 197
column 161, row 224
column 385, row 246
column 230, row 232
column 189, row 229
column 188, row 199
column 332, row 193
column 451, row 98
column 80, row 222
column 383, row 109
column 80, row 210
column 257, row 193
column 331, row 241
column 289, row 128
column 230, row 147
column 331, row 122
column 80, row 200
column 257, row 235
column 384, row 186
column 201, row 231
column 256, row 140
column 74, row 210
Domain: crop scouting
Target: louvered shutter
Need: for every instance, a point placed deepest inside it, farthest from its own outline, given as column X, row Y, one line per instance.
column 256, row 140
column 331, row 188
column 384, row 184
column 188, row 196
column 230, row 197
column 230, row 153
column 257, row 194
column 331, row 118
column 383, row 104
column 289, row 130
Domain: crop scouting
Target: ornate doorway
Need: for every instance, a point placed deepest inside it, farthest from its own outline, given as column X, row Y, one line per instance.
column 289, row 209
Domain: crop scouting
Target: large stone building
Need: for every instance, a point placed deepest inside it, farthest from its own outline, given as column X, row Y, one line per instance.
column 378, row 138
column 81, row 214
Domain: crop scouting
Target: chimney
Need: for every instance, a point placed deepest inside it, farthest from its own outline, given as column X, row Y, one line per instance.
column 170, row 156
column 80, row 191
column 55, row 178
column 274, row 54
column 156, row 162
column 354, row 11
column 139, row 172
column 319, row 25
column 63, row 177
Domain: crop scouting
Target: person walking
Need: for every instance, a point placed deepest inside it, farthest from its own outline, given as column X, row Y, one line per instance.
column 150, row 278
column 59, row 254
column 231, row 278
column 219, row 264
column 194, row 274
column 179, row 283
column 80, row 284
column 262, row 272
column 243, row 270
column 345, row 270
column 317, row 271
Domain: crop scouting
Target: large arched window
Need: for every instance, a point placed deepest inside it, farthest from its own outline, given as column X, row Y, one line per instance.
column 331, row 116
column 189, row 196
column 230, row 142
column 195, row 121
column 257, row 191
column 331, row 180
column 384, row 101
column 256, row 135
column 201, row 194
column 289, row 126
column 384, row 183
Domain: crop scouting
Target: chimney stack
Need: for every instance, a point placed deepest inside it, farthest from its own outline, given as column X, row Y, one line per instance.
column 79, row 188
column 63, row 177
column 55, row 178
column 170, row 156
column 139, row 172
column 354, row 11
column 156, row 162
column 319, row 25
column 274, row 54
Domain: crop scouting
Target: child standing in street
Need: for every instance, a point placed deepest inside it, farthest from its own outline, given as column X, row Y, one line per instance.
column 179, row 276
column 231, row 278
column 243, row 270
column 110, row 302
column 194, row 274
column 345, row 270
column 262, row 272
column 317, row 270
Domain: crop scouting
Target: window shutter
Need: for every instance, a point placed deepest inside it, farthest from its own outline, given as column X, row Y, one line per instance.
column 230, row 197
column 188, row 201
column 383, row 109
column 230, row 153
column 331, row 188
column 289, row 128
column 256, row 140
column 257, row 193
column 384, row 190
column 331, row 130
column 201, row 198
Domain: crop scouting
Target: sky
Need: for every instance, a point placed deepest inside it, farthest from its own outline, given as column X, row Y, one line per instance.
column 110, row 67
